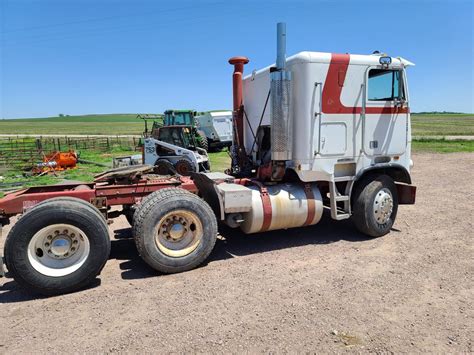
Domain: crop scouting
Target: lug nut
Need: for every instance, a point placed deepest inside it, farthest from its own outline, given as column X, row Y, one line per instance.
column 73, row 235
column 50, row 237
column 46, row 245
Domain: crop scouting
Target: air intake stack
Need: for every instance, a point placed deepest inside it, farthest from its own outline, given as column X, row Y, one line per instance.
column 281, row 120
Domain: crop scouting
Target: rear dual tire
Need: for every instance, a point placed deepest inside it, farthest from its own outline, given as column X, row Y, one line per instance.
column 59, row 246
column 174, row 230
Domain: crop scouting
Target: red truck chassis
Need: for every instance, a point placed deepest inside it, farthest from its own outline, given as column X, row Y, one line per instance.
column 101, row 195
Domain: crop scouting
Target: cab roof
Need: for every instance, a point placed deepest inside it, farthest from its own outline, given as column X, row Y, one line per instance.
column 357, row 59
column 322, row 57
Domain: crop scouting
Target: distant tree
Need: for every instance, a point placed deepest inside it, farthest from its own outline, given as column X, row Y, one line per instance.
column 61, row 115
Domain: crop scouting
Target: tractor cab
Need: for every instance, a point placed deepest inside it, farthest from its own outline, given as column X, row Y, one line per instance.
column 179, row 117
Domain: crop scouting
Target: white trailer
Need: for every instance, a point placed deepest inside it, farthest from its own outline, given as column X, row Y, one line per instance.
column 217, row 126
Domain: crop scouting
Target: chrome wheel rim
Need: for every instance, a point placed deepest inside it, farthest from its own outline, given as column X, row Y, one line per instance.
column 58, row 250
column 383, row 206
column 179, row 233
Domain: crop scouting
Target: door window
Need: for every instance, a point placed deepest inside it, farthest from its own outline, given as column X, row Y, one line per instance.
column 385, row 85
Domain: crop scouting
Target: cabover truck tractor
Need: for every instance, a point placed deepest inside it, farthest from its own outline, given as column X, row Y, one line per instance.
column 314, row 131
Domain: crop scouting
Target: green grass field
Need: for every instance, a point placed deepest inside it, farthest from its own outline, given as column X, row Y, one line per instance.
column 442, row 124
column 111, row 124
column 422, row 125
column 442, row 146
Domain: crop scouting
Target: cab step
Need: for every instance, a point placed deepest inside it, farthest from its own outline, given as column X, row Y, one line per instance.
column 335, row 196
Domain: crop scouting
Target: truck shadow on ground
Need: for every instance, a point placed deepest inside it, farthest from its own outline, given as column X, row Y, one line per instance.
column 233, row 243
column 230, row 244
column 12, row 292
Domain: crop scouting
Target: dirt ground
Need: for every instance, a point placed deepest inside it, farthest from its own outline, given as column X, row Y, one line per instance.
column 324, row 288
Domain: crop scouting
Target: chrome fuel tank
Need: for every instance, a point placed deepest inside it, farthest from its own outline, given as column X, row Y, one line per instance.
column 283, row 206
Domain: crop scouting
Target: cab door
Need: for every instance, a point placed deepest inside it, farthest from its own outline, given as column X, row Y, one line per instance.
column 385, row 119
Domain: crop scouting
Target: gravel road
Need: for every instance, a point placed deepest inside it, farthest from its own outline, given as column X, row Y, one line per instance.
column 324, row 288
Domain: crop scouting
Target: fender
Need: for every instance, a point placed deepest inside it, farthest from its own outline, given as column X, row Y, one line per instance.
column 399, row 174
column 396, row 171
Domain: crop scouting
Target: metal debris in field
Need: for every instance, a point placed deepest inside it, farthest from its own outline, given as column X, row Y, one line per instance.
column 56, row 161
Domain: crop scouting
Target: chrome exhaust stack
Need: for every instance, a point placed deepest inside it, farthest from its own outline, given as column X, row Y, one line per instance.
column 281, row 119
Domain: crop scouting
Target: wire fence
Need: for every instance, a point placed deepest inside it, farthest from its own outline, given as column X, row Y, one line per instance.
column 25, row 152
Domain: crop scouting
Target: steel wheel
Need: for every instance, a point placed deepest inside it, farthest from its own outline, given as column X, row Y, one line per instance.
column 383, row 206
column 58, row 250
column 179, row 233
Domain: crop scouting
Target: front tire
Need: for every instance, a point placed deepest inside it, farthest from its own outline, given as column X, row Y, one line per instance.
column 58, row 246
column 375, row 205
column 174, row 230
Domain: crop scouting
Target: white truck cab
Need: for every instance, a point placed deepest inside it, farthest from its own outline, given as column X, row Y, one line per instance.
column 318, row 130
column 348, row 113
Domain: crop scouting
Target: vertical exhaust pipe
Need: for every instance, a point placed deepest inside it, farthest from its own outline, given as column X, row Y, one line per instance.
column 281, row 46
column 239, row 155
column 281, row 118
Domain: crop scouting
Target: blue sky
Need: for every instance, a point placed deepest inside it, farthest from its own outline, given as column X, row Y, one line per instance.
column 112, row 56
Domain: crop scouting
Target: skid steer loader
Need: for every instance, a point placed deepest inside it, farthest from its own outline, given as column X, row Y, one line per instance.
column 174, row 149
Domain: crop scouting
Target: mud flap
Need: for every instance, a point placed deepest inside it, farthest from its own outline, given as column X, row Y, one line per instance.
column 406, row 194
